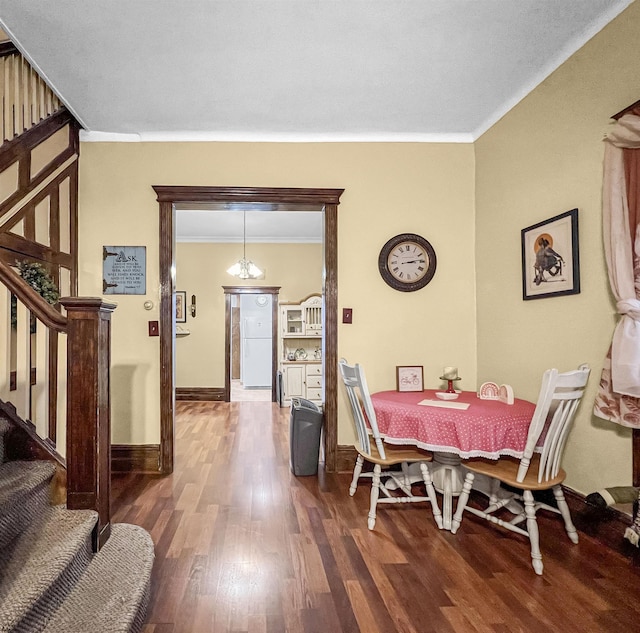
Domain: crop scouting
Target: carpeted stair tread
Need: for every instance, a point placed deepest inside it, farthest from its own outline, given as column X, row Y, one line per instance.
column 112, row 595
column 17, row 477
column 42, row 565
column 24, row 494
column 50, row 580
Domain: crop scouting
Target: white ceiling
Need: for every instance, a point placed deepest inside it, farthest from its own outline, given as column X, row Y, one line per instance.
column 294, row 70
column 406, row 70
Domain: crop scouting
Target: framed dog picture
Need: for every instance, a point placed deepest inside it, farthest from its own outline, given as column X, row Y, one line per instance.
column 550, row 258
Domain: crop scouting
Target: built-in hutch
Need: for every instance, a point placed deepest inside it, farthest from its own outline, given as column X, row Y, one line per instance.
column 300, row 348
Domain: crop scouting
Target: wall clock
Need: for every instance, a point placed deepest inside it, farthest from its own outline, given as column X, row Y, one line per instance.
column 407, row 262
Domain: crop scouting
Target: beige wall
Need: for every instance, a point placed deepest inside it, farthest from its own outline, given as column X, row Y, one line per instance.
column 389, row 189
column 201, row 270
column 543, row 158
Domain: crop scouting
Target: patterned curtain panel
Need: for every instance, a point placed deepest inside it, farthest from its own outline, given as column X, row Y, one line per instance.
column 618, row 396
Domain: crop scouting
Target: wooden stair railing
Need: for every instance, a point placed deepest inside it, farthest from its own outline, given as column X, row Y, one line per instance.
column 25, row 98
column 32, row 300
column 87, row 326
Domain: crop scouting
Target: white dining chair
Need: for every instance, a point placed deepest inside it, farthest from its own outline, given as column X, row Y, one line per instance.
column 380, row 455
column 538, row 469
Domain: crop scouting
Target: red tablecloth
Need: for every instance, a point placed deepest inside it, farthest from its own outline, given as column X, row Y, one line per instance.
column 488, row 428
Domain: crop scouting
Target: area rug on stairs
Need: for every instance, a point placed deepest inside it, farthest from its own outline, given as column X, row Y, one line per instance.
column 50, row 580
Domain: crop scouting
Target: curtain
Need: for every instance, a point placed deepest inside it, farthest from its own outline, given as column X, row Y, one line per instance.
column 618, row 396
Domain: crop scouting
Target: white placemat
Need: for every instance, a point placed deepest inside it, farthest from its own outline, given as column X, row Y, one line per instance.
column 445, row 404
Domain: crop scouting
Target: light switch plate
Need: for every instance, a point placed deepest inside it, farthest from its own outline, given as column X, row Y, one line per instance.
column 154, row 328
column 347, row 315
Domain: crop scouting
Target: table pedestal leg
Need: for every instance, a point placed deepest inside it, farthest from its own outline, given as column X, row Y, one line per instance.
column 447, row 479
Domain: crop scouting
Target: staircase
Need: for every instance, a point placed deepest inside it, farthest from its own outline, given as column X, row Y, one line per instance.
column 50, row 580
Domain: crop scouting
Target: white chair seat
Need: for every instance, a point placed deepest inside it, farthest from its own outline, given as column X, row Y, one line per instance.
column 506, row 470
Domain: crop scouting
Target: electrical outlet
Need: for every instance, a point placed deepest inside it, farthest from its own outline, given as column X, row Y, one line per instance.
column 347, row 315
column 154, row 328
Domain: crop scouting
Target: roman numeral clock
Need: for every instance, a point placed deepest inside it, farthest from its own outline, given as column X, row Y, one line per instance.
column 407, row 262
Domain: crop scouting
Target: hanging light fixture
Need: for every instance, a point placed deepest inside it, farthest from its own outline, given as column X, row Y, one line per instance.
column 244, row 269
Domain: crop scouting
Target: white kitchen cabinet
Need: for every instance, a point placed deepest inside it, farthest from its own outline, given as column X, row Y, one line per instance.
column 302, row 380
column 292, row 323
column 294, row 381
column 300, row 349
column 313, row 382
column 302, row 320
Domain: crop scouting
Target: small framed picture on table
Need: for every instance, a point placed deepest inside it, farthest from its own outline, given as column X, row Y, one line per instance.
column 409, row 378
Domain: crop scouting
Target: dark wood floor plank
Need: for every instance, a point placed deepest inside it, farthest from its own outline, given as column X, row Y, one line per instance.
column 244, row 546
column 369, row 588
column 462, row 621
column 337, row 588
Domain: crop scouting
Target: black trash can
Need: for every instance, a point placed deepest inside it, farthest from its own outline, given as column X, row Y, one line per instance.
column 279, row 389
column 305, row 427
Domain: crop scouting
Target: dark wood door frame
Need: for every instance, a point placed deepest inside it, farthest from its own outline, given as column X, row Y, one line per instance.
column 230, row 291
column 168, row 197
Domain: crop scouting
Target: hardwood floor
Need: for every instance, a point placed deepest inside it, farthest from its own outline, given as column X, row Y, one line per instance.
column 244, row 546
column 239, row 394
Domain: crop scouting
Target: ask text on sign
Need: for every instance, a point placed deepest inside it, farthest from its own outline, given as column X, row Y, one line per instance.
column 124, row 270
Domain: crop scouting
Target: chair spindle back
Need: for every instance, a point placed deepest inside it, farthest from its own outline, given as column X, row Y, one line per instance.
column 558, row 401
column 361, row 406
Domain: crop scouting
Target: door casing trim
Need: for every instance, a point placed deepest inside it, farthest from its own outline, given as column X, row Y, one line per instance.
column 230, row 291
column 168, row 196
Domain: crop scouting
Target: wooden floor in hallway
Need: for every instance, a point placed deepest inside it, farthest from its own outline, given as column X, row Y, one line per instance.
column 244, row 546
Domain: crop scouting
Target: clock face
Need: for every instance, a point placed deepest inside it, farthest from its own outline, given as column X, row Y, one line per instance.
column 407, row 262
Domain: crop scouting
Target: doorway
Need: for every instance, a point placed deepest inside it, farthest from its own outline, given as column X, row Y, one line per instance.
column 168, row 197
column 235, row 297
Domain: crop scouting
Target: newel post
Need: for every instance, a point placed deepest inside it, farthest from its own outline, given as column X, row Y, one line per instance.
column 88, row 409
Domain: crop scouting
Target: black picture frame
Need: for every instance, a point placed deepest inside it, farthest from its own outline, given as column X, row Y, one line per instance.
column 555, row 271
column 181, row 306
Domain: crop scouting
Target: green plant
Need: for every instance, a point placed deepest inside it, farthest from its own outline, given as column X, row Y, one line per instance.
column 37, row 276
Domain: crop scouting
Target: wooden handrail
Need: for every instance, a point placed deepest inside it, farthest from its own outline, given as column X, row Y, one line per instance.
column 32, row 300
column 8, row 48
column 26, row 98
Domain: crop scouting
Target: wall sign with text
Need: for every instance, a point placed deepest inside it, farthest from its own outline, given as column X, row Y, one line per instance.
column 124, row 270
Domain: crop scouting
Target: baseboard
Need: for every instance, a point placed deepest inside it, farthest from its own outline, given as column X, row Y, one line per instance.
column 606, row 525
column 135, row 458
column 214, row 394
column 345, row 458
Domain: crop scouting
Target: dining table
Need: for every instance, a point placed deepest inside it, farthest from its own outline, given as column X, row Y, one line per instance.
column 456, row 429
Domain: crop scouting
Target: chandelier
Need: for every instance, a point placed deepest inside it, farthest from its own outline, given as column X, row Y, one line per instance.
column 245, row 268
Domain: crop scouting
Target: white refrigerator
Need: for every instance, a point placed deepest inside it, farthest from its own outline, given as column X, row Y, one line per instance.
column 256, row 336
